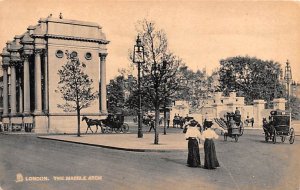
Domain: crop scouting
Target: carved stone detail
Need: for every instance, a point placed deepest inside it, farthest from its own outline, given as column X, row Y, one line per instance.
column 102, row 56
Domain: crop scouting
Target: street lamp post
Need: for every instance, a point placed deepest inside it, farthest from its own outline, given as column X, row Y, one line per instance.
column 138, row 57
column 288, row 79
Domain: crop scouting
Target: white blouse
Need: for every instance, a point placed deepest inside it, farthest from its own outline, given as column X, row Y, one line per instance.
column 209, row 134
column 193, row 132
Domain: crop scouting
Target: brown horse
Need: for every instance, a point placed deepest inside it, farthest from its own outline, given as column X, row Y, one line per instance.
column 92, row 122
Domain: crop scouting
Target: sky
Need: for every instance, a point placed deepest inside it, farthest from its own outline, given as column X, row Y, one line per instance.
column 200, row 32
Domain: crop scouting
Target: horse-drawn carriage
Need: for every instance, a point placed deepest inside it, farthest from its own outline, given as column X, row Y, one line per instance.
column 115, row 123
column 234, row 125
column 279, row 125
column 108, row 125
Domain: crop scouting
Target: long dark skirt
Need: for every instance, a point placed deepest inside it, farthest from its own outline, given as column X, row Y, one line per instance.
column 211, row 161
column 193, row 159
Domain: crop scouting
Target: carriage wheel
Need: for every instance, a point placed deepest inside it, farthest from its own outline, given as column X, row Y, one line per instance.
column 102, row 129
column 282, row 139
column 236, row 138
column 125, row 127
column 225, row 136
column 274, row 136
column 266, row 137
column 292, row 136
column 109, row 130
column 242, row 131
column 117, row 130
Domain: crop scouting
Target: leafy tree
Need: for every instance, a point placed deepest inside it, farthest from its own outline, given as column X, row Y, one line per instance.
column 116, row 95
column 186, row 79
column 75, row 87
column 195, row 87
column 159, row 69
column 251, row 77
column 133, row 100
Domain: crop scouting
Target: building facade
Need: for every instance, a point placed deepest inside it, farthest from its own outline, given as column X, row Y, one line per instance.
column 218, row 106
column 30, row 64
column 295, row 89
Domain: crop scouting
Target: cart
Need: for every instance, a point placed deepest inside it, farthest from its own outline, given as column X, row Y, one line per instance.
column 115, row 122
column 279, row 125
column 235, row 127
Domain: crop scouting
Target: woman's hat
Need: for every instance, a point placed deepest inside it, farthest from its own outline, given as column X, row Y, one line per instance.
column 209, row 124
column 193, row 123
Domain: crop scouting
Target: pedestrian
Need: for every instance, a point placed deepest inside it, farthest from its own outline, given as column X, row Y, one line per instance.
column 193, row 135
column 210, row 160
column 247, row 121
column 237, row 111
column 175, row 120
column 168, row 118
column 252, row 122
column 151, row 123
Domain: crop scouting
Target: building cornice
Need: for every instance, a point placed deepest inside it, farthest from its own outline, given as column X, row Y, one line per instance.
column 62, row 37
column 72, row 22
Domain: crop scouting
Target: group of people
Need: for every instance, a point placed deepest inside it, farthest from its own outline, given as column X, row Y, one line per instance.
column 149, row 120
column 193, row 135
column 248, row 120
column 180, row 121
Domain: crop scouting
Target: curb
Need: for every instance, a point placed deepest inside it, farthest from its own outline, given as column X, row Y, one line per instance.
column 255, row 128
column 114, row 147
column 26, row 134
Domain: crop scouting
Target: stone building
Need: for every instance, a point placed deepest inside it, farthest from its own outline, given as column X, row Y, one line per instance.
column 295, row 89
column 30, row 64
column 219, row 105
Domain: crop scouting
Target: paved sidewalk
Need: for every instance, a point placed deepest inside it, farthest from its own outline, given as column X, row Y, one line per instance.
column 296, row 126
column 129, row 142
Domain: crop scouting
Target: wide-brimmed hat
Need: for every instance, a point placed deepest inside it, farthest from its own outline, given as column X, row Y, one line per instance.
column 209, row 124
column 193, row 123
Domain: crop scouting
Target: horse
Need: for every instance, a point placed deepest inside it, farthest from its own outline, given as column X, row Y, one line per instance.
column 267, row 127
column 92, row 122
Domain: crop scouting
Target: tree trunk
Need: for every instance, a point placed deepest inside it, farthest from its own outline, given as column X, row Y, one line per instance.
column 156, row 138
column 165, row 120
column 78, row 122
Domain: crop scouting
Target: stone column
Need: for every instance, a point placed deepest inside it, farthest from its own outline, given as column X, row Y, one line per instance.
column 45, row 95
column 258, row 107
column 38, row 82
column 20, row 96
column 279, row 104
column 103, row 104
column 13, row 97
column 5, row 91
column 26, row 87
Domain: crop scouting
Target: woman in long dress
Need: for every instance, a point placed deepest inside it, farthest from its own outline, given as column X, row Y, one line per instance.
column 210, row 161
column 193, row 135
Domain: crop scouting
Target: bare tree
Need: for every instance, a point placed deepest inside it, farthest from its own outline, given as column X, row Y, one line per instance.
column 75, row 88
column 159, row 71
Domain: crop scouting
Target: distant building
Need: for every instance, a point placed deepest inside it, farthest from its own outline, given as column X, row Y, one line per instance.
column 295, row 89
column 218, row 106
column 30, row 65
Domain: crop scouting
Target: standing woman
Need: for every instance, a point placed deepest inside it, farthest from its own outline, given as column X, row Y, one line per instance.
column 193, row 135
column 210, row 161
